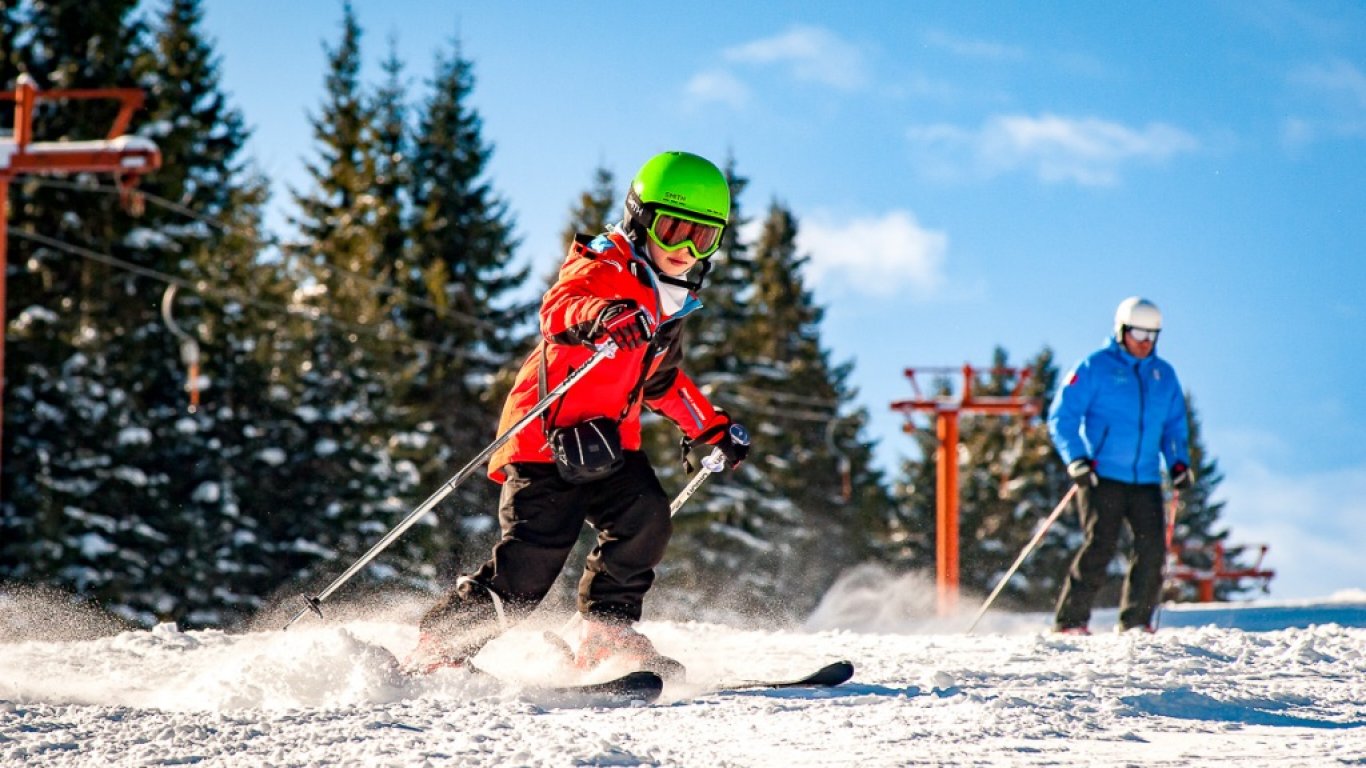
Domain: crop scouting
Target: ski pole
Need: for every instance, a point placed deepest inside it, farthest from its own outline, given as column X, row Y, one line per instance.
column 314, row 603
column 711, row 464
column 1047, row 523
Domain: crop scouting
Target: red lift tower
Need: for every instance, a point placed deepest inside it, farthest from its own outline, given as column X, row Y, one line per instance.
column 946, row 410
column 125, row 157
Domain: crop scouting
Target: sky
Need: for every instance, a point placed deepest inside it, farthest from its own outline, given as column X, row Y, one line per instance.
column 965, row 176
column 1207, row 689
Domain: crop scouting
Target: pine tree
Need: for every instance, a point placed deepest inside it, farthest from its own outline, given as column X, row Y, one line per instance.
column 11, row 21
column 225, row 461
column 730, row 289
column 393, row 178
column 1009, row 484
column 596, row 210
column 462, row 264
column 773, row 536
column 74, row 484
column 348, row 486
column 181, row 452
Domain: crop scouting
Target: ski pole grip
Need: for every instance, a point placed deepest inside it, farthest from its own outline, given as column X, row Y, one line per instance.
column 710, row 465
column 714, row 462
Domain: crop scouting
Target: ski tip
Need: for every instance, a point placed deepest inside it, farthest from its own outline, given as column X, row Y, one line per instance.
column 643, row 686
column 835, row 673
column 642, row 677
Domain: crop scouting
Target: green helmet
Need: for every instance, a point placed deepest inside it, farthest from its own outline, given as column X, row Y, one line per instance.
column 678, row 181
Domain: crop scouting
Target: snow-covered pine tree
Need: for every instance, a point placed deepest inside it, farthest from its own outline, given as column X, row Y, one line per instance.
column 348, row 490
column 75, row 493
column 772, row 537
column 1009, row 482
column 202, row 225
column 462, row 264
column 907, row 537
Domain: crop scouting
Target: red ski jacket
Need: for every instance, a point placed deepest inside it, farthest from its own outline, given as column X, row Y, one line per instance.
column 597, row 273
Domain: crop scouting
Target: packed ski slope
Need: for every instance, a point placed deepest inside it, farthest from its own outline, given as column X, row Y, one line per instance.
column 1200, row 691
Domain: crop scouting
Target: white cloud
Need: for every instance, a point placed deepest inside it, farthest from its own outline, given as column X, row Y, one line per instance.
column 812, row 54
column 717, row 85
column 1338, row 78
column 1338, row 89
column 874, row 256
column 1085, row 151
column 970, row 48
column 1296, row 131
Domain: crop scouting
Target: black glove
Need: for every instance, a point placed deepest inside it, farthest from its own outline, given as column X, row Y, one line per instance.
column 623, row 323
column 1182, row 477
column 1083, row 473
column 731, row 438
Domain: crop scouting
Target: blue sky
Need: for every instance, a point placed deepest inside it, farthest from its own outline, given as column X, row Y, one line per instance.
column 966, row 175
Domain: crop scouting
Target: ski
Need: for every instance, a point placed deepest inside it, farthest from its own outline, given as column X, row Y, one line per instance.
column 827, row 676
column 631, row 688
column 625, row 690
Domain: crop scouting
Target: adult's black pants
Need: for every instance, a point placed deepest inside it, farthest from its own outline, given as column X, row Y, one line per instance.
column 1104, row 508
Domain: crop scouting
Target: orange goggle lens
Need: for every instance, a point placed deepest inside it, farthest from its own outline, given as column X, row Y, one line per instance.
column 672, row 232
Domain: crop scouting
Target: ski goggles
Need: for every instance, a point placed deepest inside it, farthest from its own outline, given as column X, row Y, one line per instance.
column 672, row 230
column 1142, row 334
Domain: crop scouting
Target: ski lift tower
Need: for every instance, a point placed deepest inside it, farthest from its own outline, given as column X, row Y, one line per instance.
column 946, row 409
column 125, row 157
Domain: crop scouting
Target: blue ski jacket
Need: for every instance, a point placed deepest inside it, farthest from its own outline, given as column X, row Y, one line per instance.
column 1122, row 413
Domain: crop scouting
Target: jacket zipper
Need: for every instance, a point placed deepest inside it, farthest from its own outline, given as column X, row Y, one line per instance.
column 1138, row 449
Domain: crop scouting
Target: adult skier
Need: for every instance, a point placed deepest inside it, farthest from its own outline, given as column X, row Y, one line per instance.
column 1120, row 409
column 582, row 460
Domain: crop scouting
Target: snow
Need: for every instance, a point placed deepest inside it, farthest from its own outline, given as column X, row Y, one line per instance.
column 1266, row 683
column 134, row 436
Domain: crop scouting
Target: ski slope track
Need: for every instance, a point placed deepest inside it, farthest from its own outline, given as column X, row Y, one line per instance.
column 1217, row 684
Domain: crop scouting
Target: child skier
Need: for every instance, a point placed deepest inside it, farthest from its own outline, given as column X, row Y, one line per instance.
column 582, row 460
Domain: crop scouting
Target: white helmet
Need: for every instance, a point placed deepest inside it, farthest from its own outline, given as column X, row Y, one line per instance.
column 1137, row 312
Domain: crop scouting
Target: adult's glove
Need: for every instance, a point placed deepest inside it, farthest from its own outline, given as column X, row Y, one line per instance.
column 731, row 438
column 1083, row 473
column 1182, row 477
column 623, row 323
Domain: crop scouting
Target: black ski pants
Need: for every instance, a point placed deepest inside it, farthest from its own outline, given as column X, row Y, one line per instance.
column 1103, row 508
column 541, row 515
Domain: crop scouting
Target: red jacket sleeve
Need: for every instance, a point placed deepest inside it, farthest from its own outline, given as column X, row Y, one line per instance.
column 685, row 405
column 588, row 284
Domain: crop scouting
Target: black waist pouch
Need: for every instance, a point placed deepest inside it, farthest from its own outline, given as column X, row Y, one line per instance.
column 587, row 451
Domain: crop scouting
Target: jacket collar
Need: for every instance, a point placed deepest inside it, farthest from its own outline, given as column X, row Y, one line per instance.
column 1117, row 349
column 646, row 267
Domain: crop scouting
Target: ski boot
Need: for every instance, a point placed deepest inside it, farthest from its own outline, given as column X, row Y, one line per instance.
column 435, row 653
column 617, row 643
